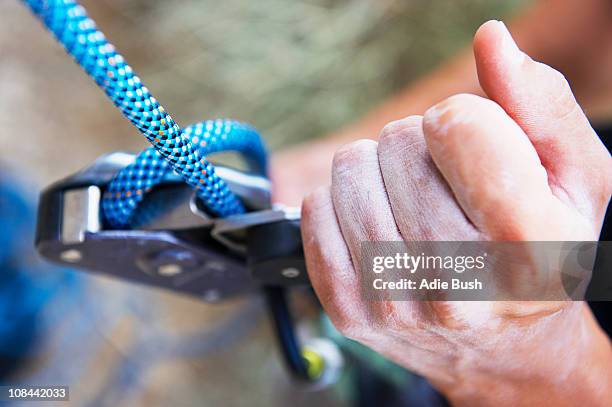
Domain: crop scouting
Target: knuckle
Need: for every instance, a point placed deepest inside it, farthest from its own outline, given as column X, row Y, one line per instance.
column 456, row 110
column 307, row 207
column 557, row 78
column 398, row 128
column 390, row 130
column 352, row 154
column 401, row 135
column 472, row 103
column 315, row 201
column 558, row 87
column 462, row 101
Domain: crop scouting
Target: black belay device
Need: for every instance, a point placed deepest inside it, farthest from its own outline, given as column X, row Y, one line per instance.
column 172, row 242
column 175, row 245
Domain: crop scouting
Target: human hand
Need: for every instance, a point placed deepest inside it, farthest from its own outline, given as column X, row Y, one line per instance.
column 522, row 165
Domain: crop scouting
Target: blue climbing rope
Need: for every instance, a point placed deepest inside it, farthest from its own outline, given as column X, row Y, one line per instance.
column 128, row 188
column 174, row 149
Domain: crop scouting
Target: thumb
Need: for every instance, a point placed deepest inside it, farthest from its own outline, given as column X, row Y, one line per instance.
column 540, row 100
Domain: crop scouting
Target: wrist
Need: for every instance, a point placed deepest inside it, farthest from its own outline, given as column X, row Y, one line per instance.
column 564, row 359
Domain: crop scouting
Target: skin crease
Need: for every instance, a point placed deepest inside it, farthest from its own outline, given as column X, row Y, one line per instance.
column 523, row 164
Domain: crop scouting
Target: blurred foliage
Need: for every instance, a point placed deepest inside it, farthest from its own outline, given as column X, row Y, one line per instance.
column 295, row 69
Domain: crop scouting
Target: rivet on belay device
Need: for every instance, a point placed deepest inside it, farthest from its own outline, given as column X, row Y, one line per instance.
column 275, row 255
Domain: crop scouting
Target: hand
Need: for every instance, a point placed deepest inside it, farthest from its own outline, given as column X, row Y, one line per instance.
column 522, row 165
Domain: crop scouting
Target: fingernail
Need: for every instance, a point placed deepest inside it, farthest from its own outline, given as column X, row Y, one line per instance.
column 508, row 46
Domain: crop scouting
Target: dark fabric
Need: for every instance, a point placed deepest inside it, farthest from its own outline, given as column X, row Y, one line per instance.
column 603, row 310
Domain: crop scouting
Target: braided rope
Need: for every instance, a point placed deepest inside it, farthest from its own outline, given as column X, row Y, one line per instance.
column 78, row 33
column 128, row 188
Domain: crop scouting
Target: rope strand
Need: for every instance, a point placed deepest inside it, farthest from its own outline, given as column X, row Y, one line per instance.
column 69, row 23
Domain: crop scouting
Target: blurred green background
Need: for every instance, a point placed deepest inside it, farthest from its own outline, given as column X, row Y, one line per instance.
column 295, row 69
